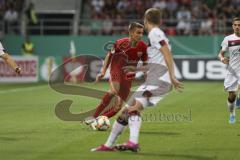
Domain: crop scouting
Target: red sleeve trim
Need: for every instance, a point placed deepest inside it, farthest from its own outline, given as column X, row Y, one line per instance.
column 162, row 42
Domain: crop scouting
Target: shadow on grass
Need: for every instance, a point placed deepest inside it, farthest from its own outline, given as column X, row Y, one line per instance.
column 159, row 133
column 175, row 156
column 9, row 139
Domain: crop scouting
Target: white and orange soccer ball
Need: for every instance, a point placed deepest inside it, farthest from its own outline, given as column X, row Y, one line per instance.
column 101, row 123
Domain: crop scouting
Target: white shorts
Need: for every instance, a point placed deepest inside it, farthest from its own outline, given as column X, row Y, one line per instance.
column 231, row 82
column 156, row 94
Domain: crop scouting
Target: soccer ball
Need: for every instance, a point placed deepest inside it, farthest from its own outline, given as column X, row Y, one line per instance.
column 101, row 123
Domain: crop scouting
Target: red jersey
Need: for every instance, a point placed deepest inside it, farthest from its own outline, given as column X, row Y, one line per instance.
column 125, row 55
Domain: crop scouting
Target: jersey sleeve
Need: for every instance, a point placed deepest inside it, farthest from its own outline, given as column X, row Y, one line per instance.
column 157, row 40
column 1, row 50
column 224, row 45
column 115, row 47
column 112, row 49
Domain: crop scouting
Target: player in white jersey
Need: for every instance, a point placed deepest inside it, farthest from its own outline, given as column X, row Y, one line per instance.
column 160, row 79
column 9, row 60
column 231, row 44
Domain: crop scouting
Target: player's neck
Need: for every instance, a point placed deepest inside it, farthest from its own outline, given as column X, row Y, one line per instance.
column 132, row 42
column 237, row 34
column 150, row 27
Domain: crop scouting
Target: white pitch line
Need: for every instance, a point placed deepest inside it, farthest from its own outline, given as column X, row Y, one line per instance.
column 22, row 89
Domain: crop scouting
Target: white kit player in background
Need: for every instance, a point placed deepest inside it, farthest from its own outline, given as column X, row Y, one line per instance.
column 159, row 82
column 231, row 44
column 9, row 60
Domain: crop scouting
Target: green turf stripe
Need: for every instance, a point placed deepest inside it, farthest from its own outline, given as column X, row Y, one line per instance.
column 22, row 89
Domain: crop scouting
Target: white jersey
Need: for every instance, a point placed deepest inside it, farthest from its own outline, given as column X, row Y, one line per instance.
column 231, row 44
column 157, row 39
column 158, row 83
column 1, row 49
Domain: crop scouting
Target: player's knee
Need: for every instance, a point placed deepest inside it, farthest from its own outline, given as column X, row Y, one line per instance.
column 231, row 97
column 147, row 94
column 115, row 88
column 123, row 118
column 133, row 113
column 111, row 92
column 117, row 108
column 114, row 91
column 119, row 105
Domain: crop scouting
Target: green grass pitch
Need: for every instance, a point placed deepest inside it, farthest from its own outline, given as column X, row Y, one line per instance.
column 30, row 130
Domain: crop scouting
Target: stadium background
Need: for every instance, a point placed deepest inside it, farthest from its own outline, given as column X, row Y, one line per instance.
column 195, row 29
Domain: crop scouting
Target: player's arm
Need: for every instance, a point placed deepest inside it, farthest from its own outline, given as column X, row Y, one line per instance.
column 224, row 48
column 9, row 60
column 222, row 57
column 106, row 64
column 170, row 64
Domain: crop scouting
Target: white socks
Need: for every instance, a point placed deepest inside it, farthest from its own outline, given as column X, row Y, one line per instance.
column 231, row 107
column 117, row 129
column 134, row 123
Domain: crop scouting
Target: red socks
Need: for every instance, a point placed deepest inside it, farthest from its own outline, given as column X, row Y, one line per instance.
column 104, row 103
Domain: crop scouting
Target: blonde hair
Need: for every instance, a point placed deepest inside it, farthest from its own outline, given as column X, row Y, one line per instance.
column 153, row 15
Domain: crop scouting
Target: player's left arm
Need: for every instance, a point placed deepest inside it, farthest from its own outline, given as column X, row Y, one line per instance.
column 10, row 61
column 170, row 64
column 221, row 54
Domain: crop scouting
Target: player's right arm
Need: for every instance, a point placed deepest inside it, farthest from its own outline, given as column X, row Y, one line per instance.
column 9, row 60
column 222, row 58
column 106, row 64
column 221, row 55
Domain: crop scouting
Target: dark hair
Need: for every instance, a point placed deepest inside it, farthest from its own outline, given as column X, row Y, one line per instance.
column 134, row 25
column 235, row 19
column 153, row 15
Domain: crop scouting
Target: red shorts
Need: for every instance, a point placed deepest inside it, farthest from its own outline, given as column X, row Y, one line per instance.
column 118, row 75
column 125, row 85
column 125, row 88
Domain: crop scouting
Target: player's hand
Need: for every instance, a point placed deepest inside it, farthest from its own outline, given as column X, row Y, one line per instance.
column 99, row 77
column 224, row 60
column 177, row 85
column 18, row 70
column 129, row 69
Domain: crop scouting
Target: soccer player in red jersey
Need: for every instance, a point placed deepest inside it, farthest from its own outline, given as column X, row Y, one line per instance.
column 125, row 51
